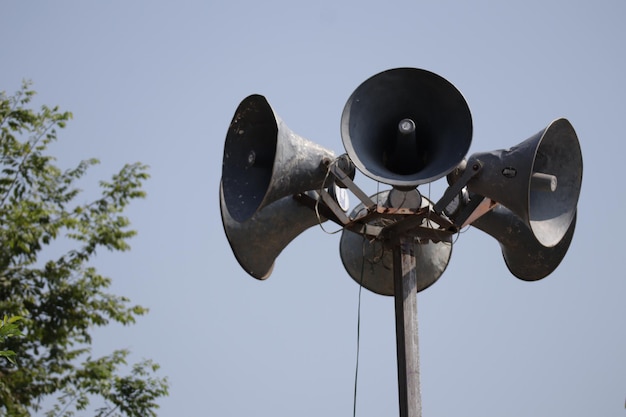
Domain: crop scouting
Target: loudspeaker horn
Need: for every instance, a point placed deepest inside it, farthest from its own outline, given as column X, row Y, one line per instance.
column 370, row 263
column 265, row 161
column 406, row 126
column 539, row 180
column 523, row 254
column 257, row 242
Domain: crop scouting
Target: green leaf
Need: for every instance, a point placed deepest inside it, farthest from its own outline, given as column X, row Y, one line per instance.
column 8, row 355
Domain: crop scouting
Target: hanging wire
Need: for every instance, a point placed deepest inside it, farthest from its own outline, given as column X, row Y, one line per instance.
column 458, row 234
column 358, row 328
column 358, row 319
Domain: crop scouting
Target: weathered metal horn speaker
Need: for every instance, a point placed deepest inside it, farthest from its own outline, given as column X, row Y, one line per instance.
column 257, row 242
column 539, row 180
column 370, row 263
column 523, row 254
column 406, row 126
column 265, row 161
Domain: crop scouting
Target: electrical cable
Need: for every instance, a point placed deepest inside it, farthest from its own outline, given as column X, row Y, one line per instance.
column 358, row 329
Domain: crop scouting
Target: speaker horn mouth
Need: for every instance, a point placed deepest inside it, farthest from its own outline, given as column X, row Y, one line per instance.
column 406, row 126
column 558, row 154
column 249, row 156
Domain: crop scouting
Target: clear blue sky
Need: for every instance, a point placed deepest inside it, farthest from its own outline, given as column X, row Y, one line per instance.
column 158, row 82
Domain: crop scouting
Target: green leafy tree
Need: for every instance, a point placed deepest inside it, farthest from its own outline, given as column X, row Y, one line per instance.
column 61, row 300
column 8, row 328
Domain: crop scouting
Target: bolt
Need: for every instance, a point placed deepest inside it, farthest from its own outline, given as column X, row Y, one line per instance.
column 406, row 126
column 251, row 158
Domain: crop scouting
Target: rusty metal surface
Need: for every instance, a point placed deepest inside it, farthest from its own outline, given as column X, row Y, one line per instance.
column 369, row 261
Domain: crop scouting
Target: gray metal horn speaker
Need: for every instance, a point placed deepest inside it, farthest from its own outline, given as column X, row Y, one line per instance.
column 370, row 263
column 265, row 161
column 523, row 254
column 539, row 180
column 257, row 242
column 406, row 126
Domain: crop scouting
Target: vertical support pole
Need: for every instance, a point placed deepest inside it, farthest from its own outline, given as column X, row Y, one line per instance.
column 405, row 293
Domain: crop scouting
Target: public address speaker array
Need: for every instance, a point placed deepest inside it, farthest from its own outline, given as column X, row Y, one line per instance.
column 403, row 127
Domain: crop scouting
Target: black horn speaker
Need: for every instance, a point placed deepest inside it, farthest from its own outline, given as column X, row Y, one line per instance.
column 539, row 180
column 523, row 254
column 257, row 242
column 265, row 161
column 406, row 126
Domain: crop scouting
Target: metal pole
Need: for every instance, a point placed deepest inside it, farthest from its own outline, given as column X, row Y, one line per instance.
column 405, row 293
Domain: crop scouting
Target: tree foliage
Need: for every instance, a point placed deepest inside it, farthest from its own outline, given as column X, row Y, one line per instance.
column 62, row 299
column 8, row 328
